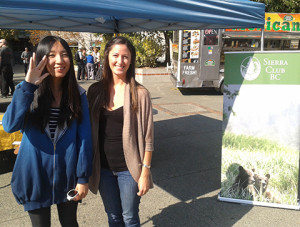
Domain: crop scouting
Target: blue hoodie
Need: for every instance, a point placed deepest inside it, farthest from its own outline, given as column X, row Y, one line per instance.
column 46, row 170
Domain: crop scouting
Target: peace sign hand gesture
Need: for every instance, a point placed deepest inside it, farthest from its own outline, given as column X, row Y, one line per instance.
column 33, row 75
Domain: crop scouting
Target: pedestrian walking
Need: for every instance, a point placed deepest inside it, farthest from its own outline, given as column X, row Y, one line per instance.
column 25, row 56
column 79, row 58
column 96, row 55
column 90, row 66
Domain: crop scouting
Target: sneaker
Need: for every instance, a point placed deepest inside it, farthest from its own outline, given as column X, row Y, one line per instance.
column 4, row 96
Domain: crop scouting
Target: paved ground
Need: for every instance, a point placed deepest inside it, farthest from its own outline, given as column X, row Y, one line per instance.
column 186, row 170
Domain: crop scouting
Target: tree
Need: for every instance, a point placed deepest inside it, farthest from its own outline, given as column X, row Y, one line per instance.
column 149, row 47
column 9, row 34
column 168, row 36
column 71, row 37
column 36, row 35
column 281, row 6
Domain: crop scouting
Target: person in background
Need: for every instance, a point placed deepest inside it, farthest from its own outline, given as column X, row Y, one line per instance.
column 98, row 69
column 80, row 64
column 122, row 134
column 84, row 63
column 55, row 154
column 6, row 70
column 90, row 65
column 25, row 56
column 96, row 55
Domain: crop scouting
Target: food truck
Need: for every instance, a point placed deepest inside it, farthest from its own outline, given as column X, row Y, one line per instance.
column 197, row 56
column 281, row 32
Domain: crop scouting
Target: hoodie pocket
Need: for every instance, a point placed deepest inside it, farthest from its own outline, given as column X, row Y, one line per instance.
column 30, row 179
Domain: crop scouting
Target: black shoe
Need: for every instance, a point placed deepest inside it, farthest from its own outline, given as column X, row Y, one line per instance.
column 4, row 96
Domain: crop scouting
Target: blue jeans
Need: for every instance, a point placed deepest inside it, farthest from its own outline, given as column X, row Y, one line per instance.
column 119, row 195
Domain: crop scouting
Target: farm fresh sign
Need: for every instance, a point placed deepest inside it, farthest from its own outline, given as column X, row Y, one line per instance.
column 261, row 123
column 277, row 22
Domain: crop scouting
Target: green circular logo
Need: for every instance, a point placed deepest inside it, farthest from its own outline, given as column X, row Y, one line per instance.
column 250, row 68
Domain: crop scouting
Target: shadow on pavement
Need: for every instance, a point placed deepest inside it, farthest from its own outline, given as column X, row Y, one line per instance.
column 187, row 164
column 204, row 212
column 199, row 91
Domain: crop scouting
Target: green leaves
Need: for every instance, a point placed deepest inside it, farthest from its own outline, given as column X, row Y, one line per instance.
column 281, row 6
column 9, row 34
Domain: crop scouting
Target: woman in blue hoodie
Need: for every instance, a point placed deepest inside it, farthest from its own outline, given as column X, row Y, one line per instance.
column 55, row 155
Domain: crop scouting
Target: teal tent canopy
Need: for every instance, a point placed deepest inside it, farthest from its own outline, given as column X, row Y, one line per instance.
column 113, row 16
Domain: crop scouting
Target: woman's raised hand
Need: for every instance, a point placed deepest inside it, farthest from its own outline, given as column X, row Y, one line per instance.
column 34, row 74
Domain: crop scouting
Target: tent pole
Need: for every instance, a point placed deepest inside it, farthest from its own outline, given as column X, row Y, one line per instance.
column 179, row 55
column 262, row 39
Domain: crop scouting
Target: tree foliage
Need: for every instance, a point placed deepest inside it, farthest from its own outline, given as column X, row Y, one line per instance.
column 36, row 35
column 149, row 48
column 72, row 38
column 168, row 36
column 9, row 34
column 281, row 6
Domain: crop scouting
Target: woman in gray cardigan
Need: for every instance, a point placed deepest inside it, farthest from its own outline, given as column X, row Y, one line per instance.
column 122, row 133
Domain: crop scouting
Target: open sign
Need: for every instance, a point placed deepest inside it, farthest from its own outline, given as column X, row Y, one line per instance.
column 210, row 31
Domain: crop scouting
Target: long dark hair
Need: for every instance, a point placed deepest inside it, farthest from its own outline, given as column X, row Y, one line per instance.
column 98, row 94
column 70, row 104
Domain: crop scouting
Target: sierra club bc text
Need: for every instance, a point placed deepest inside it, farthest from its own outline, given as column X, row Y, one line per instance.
column 274, row 72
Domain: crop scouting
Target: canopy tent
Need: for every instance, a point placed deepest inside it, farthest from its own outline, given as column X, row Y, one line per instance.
column 114, row 16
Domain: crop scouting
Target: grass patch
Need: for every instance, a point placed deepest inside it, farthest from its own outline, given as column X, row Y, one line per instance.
column 264, row 156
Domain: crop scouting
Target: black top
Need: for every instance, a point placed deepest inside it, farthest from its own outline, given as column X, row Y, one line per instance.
column 110, row 136
column 6, row 56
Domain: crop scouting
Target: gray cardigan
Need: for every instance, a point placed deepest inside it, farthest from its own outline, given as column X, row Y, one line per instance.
column 138, row 135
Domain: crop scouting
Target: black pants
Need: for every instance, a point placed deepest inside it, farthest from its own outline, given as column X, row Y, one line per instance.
column 25, row 68
column 7, row 79
column 80, row 71
column 66, row 213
